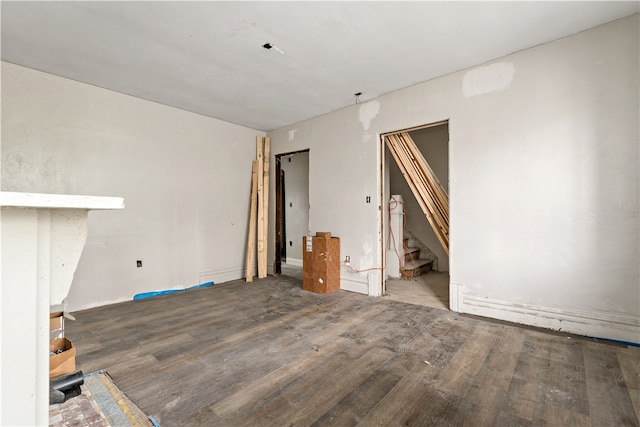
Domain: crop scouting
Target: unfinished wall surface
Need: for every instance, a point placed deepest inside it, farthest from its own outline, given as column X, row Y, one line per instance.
column 433, row 143
column 296, row 168
column 185, row 179
column 543, row 183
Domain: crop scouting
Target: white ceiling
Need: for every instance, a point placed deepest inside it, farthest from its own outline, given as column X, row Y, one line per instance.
column 207, row 57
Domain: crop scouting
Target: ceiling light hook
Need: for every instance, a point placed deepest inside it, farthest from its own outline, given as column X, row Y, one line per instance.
column 357, row 95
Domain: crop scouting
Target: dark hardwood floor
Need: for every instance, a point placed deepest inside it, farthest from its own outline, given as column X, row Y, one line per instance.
column 270, row 354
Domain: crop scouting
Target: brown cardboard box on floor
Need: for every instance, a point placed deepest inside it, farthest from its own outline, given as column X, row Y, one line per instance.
column 64, row 362
column 57, row 319
column 56, row 325
column 321, row 263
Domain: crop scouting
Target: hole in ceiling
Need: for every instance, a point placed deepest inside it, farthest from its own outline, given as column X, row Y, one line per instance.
column 269, row 46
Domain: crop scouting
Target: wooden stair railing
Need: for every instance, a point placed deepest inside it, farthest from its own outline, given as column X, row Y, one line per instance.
column 424, row 184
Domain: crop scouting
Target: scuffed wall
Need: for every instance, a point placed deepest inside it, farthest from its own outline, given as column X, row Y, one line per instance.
column 185, row 179
column 543, row 181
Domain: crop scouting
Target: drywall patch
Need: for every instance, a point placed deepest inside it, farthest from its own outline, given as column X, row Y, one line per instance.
column 367, row 248
column 368, row 112
column 490, row 78
column 292, row 134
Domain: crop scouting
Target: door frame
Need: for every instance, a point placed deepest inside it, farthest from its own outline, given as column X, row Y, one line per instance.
column 280, row 218
column 384, row 221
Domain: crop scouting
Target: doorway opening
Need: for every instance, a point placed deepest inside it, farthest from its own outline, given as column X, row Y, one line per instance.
column 292, row 211
column 416, row 263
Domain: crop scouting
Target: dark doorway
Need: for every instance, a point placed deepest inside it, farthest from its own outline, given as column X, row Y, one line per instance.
column 292, row 207
column 282, row 186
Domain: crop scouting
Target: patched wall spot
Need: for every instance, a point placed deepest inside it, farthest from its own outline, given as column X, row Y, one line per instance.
column 490, row 78
column 368, row 112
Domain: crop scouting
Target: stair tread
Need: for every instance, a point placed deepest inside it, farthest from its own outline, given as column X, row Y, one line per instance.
column 411, row 254
column 413, row 265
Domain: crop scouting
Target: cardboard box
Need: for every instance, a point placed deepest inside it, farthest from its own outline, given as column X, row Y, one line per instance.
column 56, row 325
column 321, row 263
column 64, row 362
column 56, row 320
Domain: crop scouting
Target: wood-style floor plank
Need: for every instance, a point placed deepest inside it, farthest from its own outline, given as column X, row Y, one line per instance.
column 268, row 353
column 630, row 365
column 490, row 385
column 613, row 407
column 527, row 390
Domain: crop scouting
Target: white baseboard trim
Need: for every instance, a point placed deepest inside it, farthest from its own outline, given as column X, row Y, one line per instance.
column 293, row 261
column 94, row 304
column 354, row 284
column 374, row 283
column 598, row 324
column 455, row 297
column 221, row 276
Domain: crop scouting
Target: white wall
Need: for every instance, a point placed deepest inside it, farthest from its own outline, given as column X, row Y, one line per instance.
column 185, row 179
column 297, row 204
column 543, row 183
column 433, row 143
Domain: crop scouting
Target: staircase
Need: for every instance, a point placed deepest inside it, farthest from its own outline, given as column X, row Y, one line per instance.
column 417, row 258
column 413, row 265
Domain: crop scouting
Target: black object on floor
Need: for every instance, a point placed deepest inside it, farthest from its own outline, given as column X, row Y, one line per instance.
column 69, row 385
column 55, row 396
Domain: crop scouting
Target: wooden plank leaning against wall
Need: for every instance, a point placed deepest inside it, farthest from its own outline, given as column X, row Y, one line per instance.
column 259, row 210
column 251, row 240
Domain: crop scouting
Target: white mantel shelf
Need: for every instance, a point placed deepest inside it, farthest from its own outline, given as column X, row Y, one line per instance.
column 58, row 201
column 42, row 237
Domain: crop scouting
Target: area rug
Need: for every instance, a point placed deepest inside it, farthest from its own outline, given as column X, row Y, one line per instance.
column 101, row 404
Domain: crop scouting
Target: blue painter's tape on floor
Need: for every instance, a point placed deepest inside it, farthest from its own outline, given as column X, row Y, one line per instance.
column 145, row 295
column 170, row 291
column 631, row 343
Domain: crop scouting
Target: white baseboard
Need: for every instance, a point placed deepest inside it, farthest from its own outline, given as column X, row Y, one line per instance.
column 598, row 324
column 294, row 262
column 93, row 304
column 455, row 297
column 354, row 284
column 222, row 275
column 374, row 283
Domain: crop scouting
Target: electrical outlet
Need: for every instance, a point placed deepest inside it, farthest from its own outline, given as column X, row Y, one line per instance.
column 368, row 199
column 139, row 263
